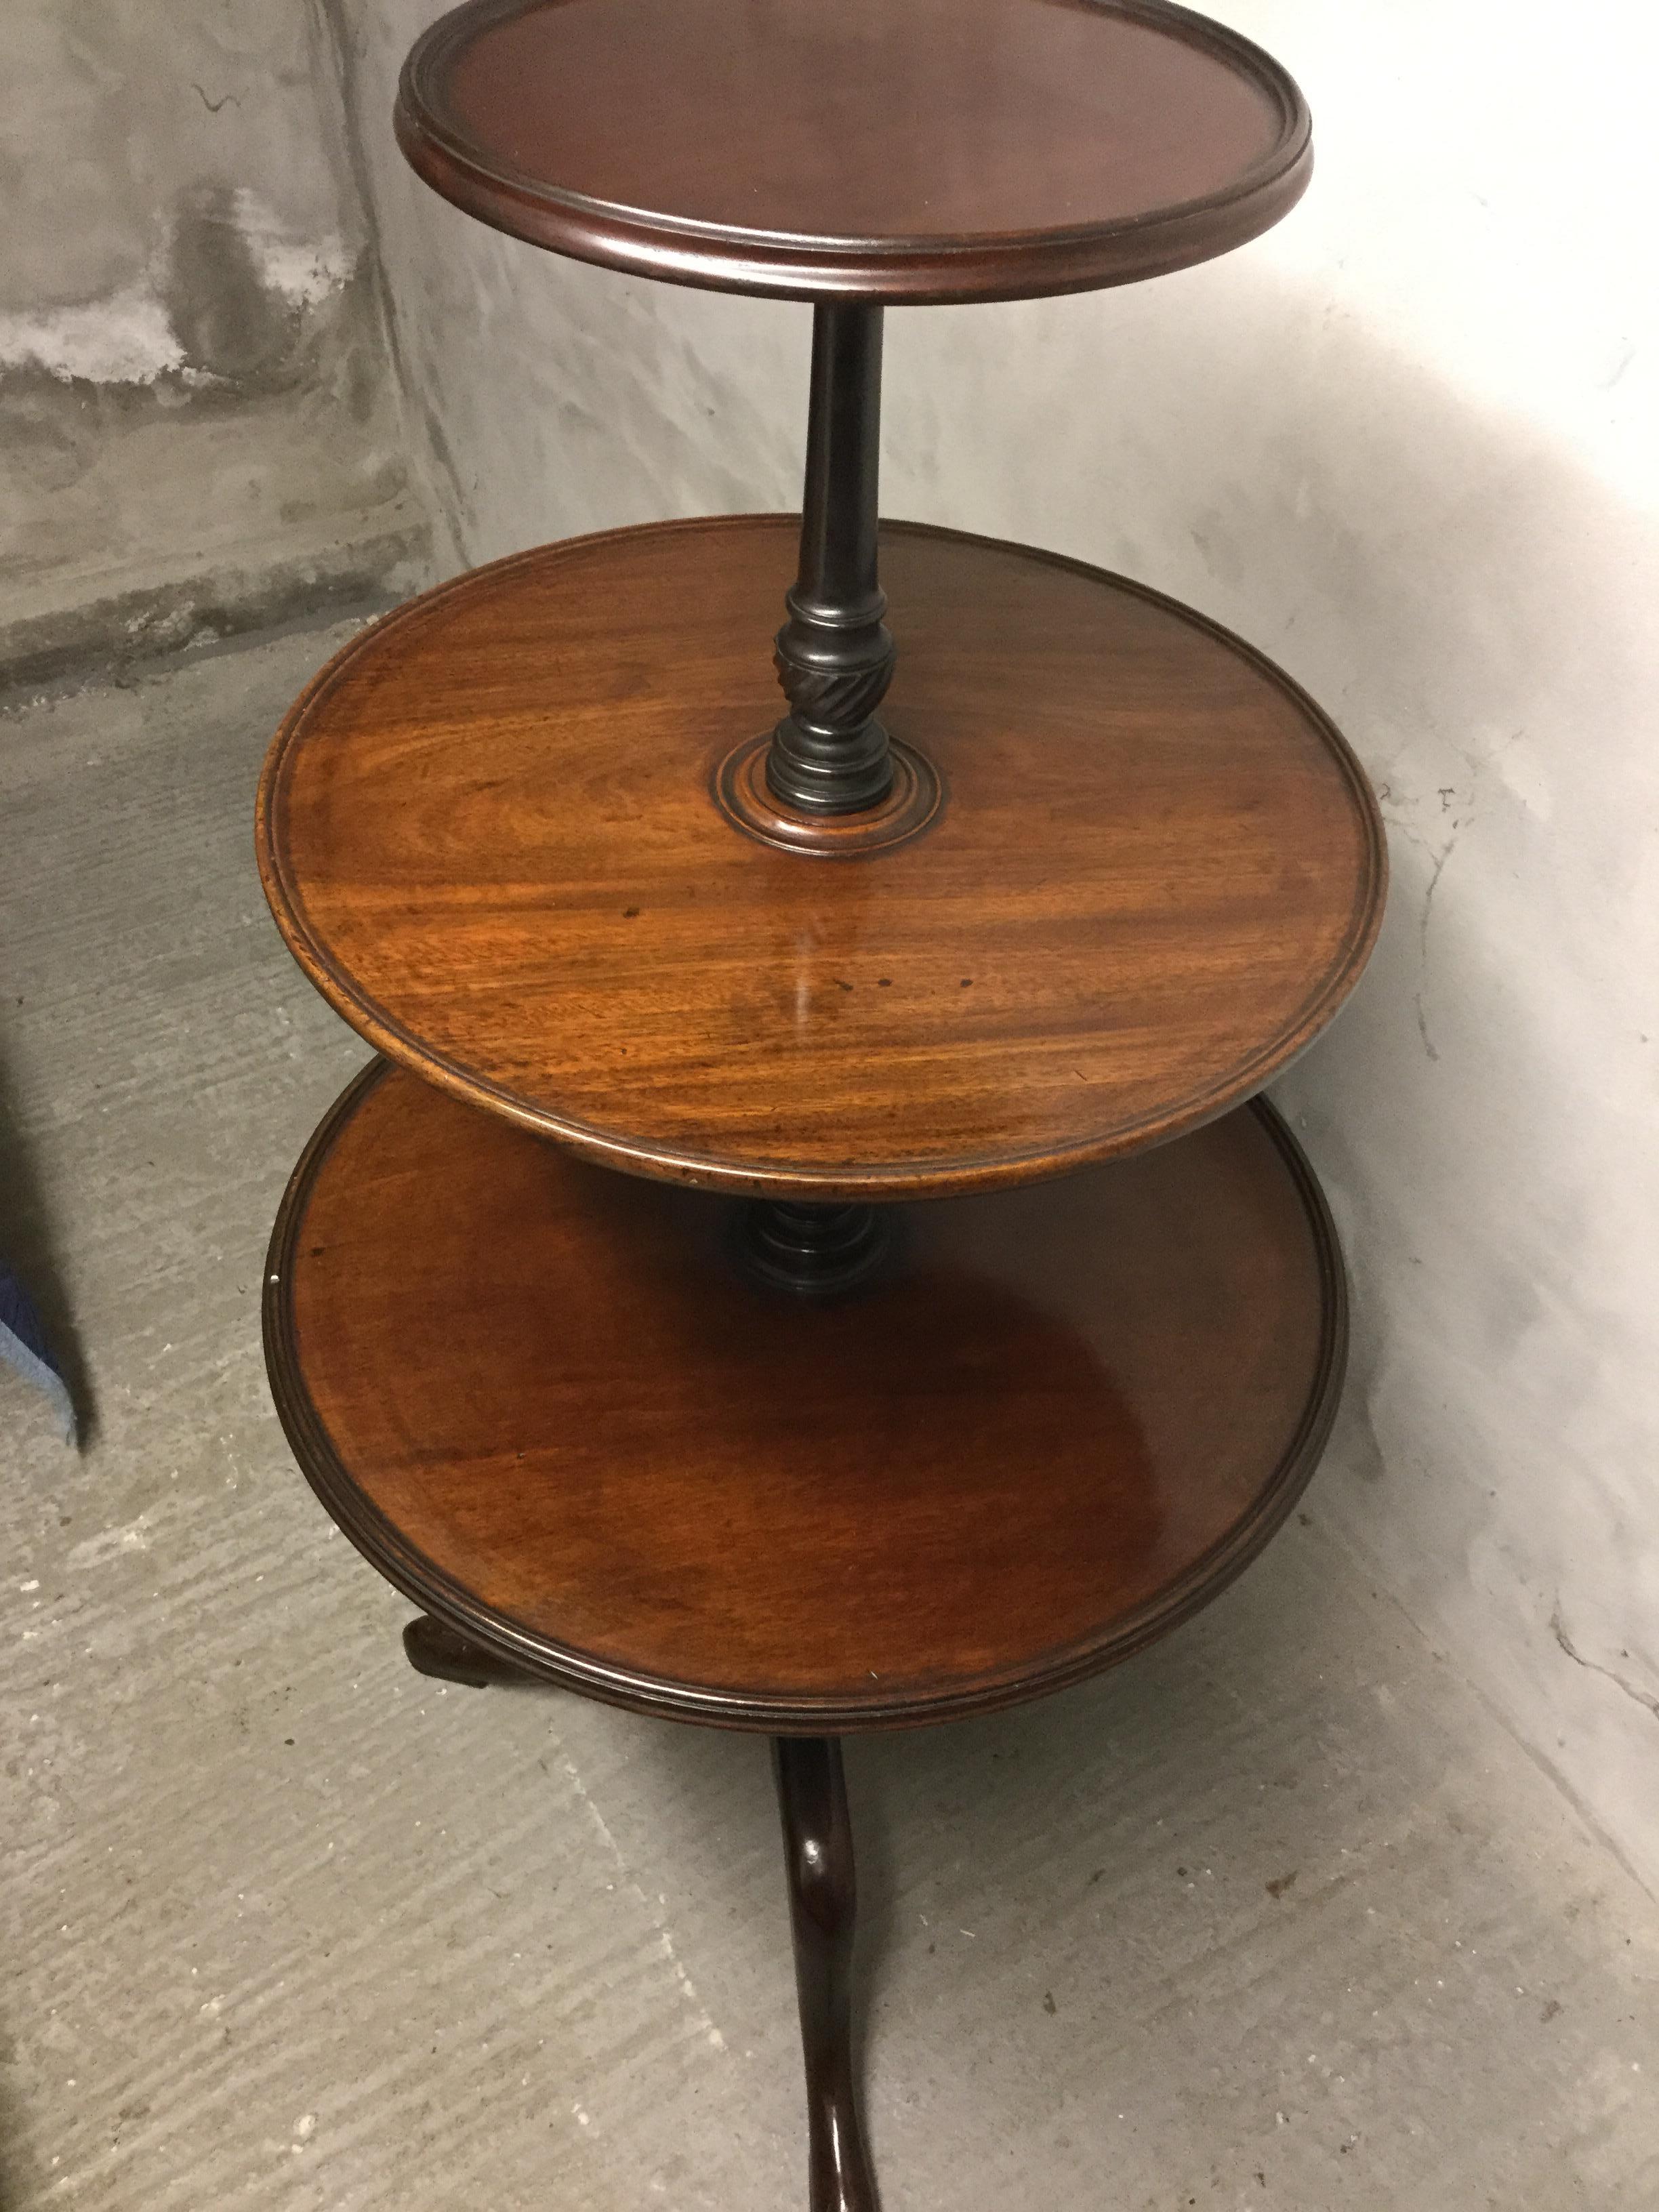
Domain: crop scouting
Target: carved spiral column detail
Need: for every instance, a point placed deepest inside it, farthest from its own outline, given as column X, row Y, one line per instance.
column 834, row 655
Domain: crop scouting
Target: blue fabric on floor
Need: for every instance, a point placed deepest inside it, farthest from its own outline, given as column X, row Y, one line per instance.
column 23, row 1346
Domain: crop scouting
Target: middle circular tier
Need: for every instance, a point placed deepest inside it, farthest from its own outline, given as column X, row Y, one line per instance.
column 488, row 834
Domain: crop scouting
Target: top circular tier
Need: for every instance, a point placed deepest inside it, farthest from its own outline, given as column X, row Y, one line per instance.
column 882, row 150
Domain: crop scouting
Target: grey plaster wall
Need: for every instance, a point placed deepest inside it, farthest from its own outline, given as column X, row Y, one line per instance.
column 1405, row 445
column 199, row 426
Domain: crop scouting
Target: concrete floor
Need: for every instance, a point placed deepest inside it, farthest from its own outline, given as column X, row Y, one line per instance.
column 1276, row 1916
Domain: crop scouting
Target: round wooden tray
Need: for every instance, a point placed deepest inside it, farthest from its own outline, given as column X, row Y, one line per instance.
column 936, row 150
column 545, row 1403
column 489, row 836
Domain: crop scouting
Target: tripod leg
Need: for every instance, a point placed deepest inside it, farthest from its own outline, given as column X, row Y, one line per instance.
column 817, row 1839
column 432, row 1649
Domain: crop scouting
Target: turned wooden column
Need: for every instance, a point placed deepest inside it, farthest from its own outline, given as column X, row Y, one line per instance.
column 829, row 754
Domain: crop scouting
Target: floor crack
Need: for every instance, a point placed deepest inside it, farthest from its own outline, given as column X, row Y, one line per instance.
column 1642, row 1697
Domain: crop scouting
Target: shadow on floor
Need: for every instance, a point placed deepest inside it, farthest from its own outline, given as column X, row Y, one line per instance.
column 32, row 1246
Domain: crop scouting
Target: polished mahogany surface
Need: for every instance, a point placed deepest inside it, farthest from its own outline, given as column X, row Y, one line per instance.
column 487, row 833
column 882, row 150
column 544, row 1402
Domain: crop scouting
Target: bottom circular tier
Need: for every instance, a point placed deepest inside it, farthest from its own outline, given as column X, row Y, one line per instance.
column 545, row 1403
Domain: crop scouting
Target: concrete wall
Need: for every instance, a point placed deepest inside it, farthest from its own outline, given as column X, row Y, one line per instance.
column 1405, row 444
column 198, row 423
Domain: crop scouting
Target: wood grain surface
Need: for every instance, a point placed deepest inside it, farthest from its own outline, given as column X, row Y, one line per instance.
column 488, row 834
column 545, row 1404
column 943, row 149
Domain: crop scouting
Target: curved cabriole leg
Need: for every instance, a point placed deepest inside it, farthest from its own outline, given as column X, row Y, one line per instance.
column 432, row 1649
column 817, row 1842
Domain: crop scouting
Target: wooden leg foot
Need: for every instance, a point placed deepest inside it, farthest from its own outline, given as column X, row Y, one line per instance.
column 817, row 1842
column 432, row 1649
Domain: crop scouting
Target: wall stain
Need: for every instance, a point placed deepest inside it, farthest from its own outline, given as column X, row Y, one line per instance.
column 229, row 323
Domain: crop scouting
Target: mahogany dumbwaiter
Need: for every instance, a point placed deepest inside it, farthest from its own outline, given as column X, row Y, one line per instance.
column 1035, row 870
